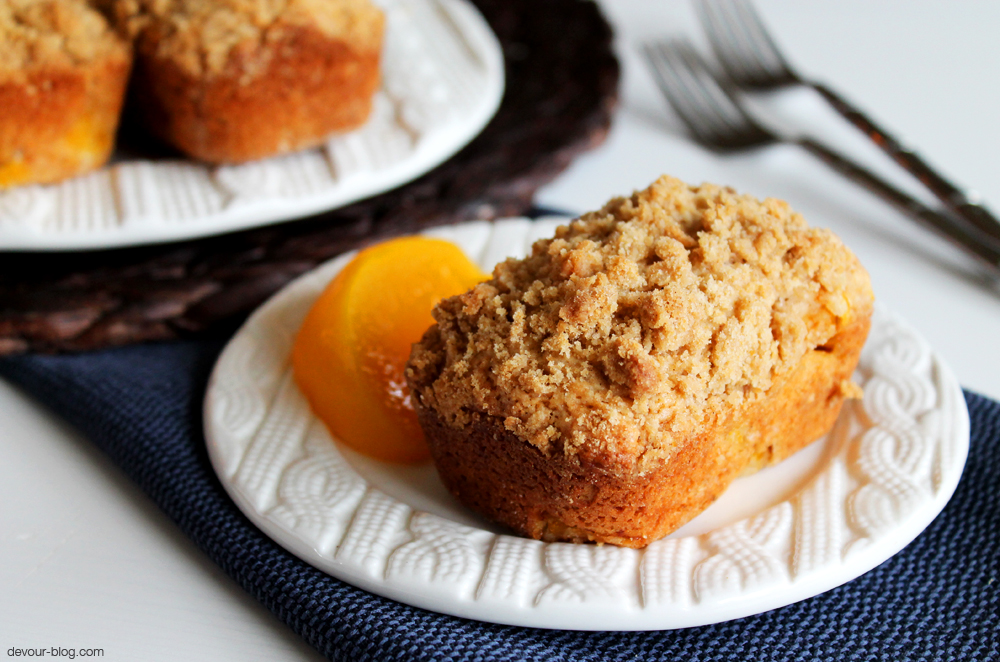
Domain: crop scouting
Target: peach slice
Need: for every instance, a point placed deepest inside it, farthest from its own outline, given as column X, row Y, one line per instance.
column 351, row 351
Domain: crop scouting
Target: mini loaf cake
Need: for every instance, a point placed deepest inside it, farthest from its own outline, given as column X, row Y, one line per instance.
column 63, row 73
column 227, row 81
column 611, row 385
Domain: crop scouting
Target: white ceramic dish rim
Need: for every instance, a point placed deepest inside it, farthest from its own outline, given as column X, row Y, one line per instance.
column 596, row 606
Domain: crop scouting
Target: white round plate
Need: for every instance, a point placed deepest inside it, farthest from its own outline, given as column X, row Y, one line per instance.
column 821, row 518
column 442, row 81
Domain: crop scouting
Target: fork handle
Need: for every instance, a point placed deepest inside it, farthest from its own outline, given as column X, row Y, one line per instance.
column 983, row 246
column 953, row 197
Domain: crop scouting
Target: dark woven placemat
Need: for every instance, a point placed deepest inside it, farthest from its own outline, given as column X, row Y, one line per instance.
column 938, row 599
column 561, row 89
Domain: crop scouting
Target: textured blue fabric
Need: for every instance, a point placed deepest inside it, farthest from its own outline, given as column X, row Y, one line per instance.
column 938, row 599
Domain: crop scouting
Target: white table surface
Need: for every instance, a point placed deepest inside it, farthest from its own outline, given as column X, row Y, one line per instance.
column 89, row 562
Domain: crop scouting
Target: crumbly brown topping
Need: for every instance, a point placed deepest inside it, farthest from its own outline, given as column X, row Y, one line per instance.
column 639, row 323
column 201, row 35
column 52, row 34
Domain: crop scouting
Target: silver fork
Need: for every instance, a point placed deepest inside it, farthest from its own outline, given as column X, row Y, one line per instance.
column 752, row 59
column 719, row 121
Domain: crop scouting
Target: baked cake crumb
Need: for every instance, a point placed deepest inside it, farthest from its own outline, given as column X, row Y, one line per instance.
column 637, row 324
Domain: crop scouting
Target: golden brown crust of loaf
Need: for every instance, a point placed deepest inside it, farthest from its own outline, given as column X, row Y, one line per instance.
column 62, row 104
column 227, row 81
column 642, row 353
column 311, row 86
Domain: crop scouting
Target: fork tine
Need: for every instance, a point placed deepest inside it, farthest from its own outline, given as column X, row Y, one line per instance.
column 705, row 87
column 746, row 50
column 676, row 83
column 710, row 112
column 677, row 90
column 725, row 41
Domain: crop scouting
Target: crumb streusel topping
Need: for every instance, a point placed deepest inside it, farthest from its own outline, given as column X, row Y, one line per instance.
column 200, row 35
column 638, row 323
column 49, row 34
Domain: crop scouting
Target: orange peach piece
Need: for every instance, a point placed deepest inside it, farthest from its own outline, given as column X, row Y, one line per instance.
column 351, row 351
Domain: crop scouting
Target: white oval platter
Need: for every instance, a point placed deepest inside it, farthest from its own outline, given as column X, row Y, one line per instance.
column 823, row 517
column 442, row 81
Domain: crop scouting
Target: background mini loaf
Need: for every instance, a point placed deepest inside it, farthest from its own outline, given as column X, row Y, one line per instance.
column 227, row 81
column 63, row 74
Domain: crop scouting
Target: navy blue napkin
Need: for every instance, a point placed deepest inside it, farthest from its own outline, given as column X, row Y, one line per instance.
column 938, row 599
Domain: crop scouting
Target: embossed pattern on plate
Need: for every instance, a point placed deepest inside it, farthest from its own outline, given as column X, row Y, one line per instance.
column 442, row 80
column 874, row 483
